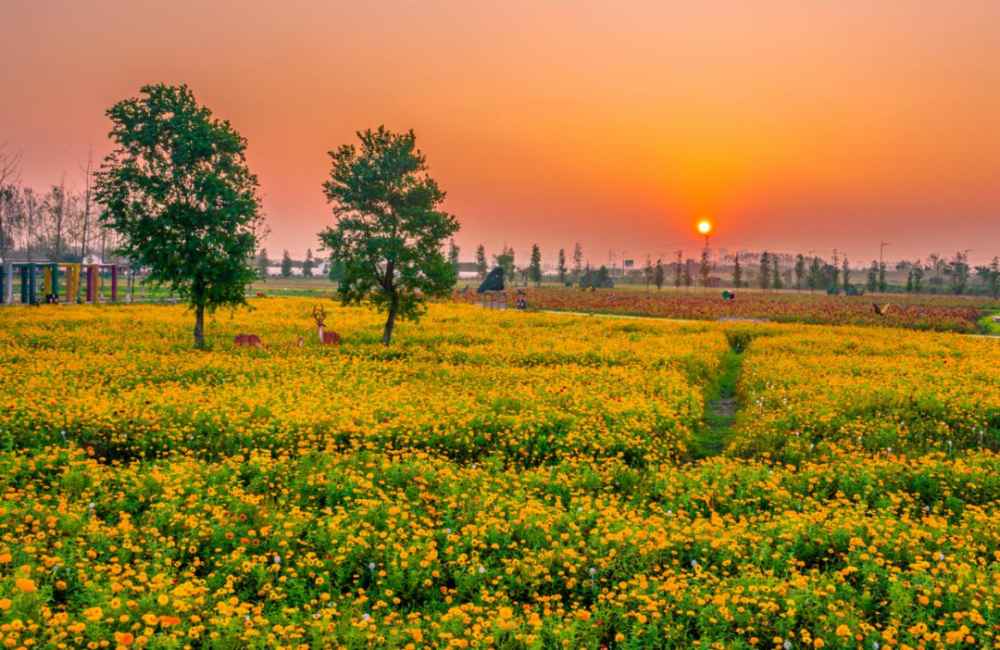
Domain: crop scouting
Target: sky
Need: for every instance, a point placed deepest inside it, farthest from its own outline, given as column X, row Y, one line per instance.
column 792, row 126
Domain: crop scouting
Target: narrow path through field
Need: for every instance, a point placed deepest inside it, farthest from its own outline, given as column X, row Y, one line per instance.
column 721, row 408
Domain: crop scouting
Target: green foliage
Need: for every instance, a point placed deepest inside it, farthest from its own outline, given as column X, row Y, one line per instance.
column 813, row 276
column 286, row 265
column 764, row 274
column 481, row 267
column 308, row 264
column 958, row 270
column 453, row 252
column 577, row 259
column 658, row 275
column 505, row 260
column 389, row 229
column 704, row 267
column 535, row 269
column 737, row 272
column 178, row 191
column 336, row 270
column 800, row 270
column 872, row 283
column 561, row 270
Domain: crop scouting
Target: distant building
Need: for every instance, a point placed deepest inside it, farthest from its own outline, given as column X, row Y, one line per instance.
column 467, row 271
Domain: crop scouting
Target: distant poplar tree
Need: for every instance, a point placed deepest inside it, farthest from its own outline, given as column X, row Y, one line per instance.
column 678, row 269
column 776, row 273
column 957, row 269
column 659, row 276
column 453, row 252
column 481, row 265
column 688, row 275
column 505, row 260
column 704, row 268
column 308, row 264
column 737, row 272
column 918, row 276
column 561, row 266
column 993, row 279
column 764, row 274
column 263, row 263
column 648, row 272
column 286, row 265
column 872, row 284
column 845, row 274
column 535, row 268
column 577, row 260
column 800, row 271
column 813, row 276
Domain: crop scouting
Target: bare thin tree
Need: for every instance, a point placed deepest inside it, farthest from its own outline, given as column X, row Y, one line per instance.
column 87, row 200
column 10, row 168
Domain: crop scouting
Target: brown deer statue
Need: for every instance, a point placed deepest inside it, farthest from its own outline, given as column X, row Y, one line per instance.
column 325, row 337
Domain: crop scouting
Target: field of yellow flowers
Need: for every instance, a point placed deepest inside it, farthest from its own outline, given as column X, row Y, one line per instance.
column 491, row 480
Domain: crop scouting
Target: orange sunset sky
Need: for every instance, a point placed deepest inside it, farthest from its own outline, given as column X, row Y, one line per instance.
column 792, row 125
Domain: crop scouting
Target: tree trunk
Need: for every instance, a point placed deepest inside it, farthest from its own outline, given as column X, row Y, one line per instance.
column 199, row 327
column 390, row 323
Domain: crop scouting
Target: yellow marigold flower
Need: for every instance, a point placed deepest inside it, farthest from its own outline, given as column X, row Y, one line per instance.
column 26, row 586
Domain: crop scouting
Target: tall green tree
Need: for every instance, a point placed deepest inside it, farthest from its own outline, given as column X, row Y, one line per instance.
column 505, row 260
column 958, row 270
column 800, row 271
column 481, row 266
column 659, row 276
column 737, row 272
column 178, row 192
column 535, row 269
column 764, row 274
column 577, row 260
column 390, row 228
column 688, row 274
column 453, row 252
column 872, row 284
column 845, row 275
column 917, row 270
column 308, row 264
column 648, row 272
column 561, row 269
column 776, row 278
column 993, row 281
column 262, row 264
column 286, row 265
column 704, row 268
column 813, row 276
column 678, row 269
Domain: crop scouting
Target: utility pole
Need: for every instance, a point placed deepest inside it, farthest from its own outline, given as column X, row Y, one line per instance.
column 623, row 263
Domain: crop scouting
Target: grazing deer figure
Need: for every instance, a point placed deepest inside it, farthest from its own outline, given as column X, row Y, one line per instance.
column 248, row 340
column 298, row 343
column 325, row 338
column 881, row 309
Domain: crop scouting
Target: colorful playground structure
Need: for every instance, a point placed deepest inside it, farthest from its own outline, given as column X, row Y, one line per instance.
column 31, row 286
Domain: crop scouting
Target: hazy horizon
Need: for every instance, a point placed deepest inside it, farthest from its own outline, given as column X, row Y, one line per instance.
column 792, row 127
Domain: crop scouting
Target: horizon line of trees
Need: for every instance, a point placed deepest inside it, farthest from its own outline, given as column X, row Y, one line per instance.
column 765, row 270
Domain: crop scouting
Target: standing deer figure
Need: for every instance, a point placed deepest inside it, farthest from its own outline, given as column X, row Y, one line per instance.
column 325, row 338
